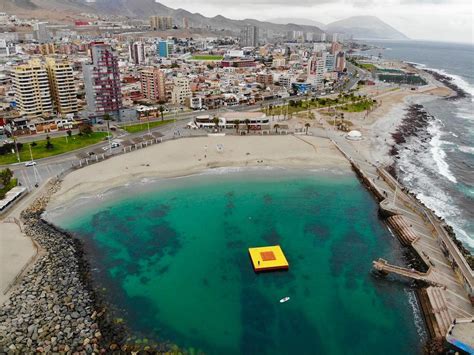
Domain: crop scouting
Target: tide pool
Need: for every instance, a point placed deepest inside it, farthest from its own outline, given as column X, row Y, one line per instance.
column 172, row 255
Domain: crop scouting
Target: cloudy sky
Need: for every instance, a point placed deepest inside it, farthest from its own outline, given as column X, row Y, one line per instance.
column 441, row 20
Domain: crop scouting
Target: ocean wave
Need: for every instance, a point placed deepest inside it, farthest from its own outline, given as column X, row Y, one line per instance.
column 456, row 79
column 466, row 149
column 437, row 152
column 417, row 316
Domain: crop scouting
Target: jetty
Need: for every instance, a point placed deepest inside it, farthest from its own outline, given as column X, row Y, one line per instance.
column 448, row 293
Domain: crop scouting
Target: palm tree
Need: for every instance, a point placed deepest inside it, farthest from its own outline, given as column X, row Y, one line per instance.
column 215, row 120
column 276, row 127
column 237, row 124
column 247, row 123
column 307, row 125
column 161, row 111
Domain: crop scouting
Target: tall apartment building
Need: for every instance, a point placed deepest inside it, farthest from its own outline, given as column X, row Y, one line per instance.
column 181, row 90
column 329, row 62
column 164, row 48
column 102, row 82
column 32, row 93
column 336, row 48
column 152, row 82
column 161, row 23
column 62, row 86
column 249, row 36
column 40, row 32
column 136, row 53
column 340, row 61
column 316, row 69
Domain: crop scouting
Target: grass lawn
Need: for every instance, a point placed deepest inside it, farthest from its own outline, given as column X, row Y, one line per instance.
column 358, row 106
column 367, row 66
column 140, row 127
column 60, row 145
column 207, row 57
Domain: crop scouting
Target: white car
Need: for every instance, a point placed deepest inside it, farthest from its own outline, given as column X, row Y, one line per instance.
column 30, row 163
column 115, row 144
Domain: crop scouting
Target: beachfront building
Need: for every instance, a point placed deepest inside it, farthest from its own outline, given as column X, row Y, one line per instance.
column 32, row 92
column 102, row 82
column 340, row 62
column 152, row 82
column 181, row 90
column 251, row 121
column 62, row 86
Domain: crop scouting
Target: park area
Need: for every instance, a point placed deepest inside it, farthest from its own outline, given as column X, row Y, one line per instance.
column 207, row 57
column 143, row 126
column 47, row 147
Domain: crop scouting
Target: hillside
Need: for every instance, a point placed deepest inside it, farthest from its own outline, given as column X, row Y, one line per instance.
column 365, row 27
column 51, row 9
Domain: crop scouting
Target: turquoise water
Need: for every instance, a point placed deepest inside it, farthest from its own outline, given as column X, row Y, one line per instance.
column 173, row 256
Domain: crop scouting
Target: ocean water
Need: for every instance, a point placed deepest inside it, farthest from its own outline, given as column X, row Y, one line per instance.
column 441, row 170
column 172, row 257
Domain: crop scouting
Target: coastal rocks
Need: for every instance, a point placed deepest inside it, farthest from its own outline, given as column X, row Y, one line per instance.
column 414, row 124
column 448, row 81
column 51, row 308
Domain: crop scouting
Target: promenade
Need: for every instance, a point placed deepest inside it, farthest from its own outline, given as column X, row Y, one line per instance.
column 451, row 279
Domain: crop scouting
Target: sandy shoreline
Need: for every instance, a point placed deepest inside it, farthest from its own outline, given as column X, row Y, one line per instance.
column 193, row 155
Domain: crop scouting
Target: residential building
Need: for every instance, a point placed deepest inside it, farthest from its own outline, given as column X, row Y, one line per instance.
column 181, row 90
column 340, row 62
column 316, row 68
column 329, row 62
column 278, row 61
column 249, row 36
column 161, row 23
column 136, row 53
column 164, row 48
column 152, row 82
column 40, row 32
column 47, row 48
column 62, row 86
column 102, row 82
column 185, row 23
column 265, row 79
column 32, row 92
column 7, row 48
column 335, row 48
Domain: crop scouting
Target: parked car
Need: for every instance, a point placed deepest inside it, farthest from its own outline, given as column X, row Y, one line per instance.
column 30, row 163
column 115, row 144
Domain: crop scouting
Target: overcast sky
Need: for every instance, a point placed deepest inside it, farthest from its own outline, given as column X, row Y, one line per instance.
column 442, row 20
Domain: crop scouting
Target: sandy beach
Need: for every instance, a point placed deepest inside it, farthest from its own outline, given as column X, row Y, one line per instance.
column 188, row 156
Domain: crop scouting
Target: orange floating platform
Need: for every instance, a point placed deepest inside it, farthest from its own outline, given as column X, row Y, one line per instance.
column 268, row 258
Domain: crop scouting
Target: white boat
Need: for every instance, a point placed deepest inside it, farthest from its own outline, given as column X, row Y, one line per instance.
column 286, row 299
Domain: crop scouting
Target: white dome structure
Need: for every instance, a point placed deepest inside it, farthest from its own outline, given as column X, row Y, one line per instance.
column 354, row 136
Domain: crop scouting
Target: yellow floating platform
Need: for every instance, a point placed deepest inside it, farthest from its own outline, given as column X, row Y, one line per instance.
column 268, row 258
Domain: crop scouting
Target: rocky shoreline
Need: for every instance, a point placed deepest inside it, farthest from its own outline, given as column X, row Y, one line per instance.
column 54, row 309
column 448, row 81
column 415, row 123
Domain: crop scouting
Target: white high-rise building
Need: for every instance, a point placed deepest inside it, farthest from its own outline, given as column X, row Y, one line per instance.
column 40, row 32
column 316, row 69
column 32, row 92
column 249, row 36
column 136, row 53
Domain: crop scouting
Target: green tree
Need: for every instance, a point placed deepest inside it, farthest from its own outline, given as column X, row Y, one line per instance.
column 69, row 133
column 215, row 120
column 49, row 145
column 6, row 176
column 162, row 109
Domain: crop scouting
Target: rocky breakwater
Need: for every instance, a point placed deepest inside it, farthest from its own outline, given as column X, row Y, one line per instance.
column 51, row 309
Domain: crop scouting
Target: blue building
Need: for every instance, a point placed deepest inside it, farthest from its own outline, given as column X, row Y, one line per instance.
column 164, row 49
